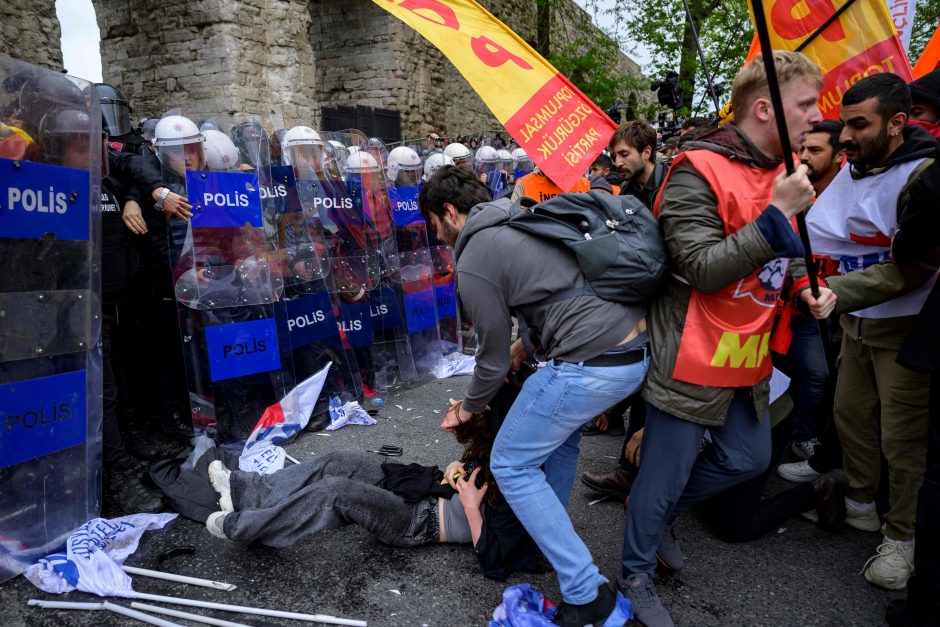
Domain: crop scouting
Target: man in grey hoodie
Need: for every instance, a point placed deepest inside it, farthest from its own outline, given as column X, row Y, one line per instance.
column 595, row 352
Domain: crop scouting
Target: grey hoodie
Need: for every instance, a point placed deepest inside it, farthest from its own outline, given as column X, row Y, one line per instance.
column 499, row 269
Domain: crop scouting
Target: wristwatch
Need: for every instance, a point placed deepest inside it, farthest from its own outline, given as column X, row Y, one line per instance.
column 159, row 204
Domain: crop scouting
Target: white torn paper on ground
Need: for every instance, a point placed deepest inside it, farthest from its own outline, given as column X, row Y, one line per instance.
column 453, row 365
column 350, row 413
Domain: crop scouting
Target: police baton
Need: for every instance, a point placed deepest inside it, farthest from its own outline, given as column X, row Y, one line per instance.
column 773, row 85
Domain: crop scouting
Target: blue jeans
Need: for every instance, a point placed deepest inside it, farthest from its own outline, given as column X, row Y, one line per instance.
column 535, row 458
column 674, row 476
column 807, row 351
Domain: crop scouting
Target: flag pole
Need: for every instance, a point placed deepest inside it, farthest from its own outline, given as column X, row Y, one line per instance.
column 260, row 611
column 106, row 606
column 773, row 85
column 193, row 581
column 196, row 618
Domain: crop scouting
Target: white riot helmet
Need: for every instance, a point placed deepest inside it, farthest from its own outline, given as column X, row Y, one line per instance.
column 221, row 153
column 176, row 130
column 521, row 162
column 405, row 161
column 301, row 136
column 361, row 161
column 434, row 163
column 486, row 158
column 458, row 153
column 340, row 150
column 505, row 157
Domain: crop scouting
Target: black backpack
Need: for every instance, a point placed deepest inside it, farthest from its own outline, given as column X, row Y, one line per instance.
column 615, row 239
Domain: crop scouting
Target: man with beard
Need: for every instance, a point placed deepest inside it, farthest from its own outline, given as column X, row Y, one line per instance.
column 595, row 351
column 633, row 147
column 881, row 407
column 821, row 154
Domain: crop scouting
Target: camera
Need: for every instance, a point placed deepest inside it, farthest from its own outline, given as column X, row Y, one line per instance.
column 667, row 91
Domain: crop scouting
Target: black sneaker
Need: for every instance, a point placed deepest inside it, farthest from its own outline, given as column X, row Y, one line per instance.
column 593, row 613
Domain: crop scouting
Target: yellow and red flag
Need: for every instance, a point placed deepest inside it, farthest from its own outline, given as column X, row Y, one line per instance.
column 861, row 41
column 558, row 126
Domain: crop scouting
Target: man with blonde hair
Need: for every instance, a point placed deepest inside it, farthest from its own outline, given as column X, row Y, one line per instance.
column 726, row 210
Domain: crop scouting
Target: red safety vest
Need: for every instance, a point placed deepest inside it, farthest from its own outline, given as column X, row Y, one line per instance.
column 726, row 339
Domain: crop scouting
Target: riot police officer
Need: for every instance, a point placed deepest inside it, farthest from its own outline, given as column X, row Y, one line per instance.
column 64, row 137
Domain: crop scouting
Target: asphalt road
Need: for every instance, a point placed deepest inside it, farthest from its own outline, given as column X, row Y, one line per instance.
column 797, row 576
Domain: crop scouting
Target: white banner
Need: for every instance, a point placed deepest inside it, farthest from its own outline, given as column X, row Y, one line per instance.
column 902, row 12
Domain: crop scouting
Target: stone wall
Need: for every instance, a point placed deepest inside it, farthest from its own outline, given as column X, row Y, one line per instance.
column 294, row 57
column 395, row 68
column 29, row 31
column 211, row 56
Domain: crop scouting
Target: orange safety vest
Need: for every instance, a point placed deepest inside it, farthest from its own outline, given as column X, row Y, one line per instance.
column 726, row 338
column 539, row 187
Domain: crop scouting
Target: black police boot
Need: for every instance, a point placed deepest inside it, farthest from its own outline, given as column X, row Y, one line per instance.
column 126, row 490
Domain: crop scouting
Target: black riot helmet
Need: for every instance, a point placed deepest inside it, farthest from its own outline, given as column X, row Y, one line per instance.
column 147, row 128
column 252, row 142
column 114, row 108
column 62, row 130
column 44, row 93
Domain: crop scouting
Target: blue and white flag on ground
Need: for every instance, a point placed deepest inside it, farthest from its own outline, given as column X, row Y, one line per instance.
column 351, row 413
column 280, row 423
column 93, row 557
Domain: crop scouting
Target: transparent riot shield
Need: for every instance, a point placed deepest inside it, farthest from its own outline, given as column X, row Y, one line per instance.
column 225, row 273
column 404, row 170
column 51, row 149
column 445, row 294
column 489, row 167
column 311, row 308
column 361, row 265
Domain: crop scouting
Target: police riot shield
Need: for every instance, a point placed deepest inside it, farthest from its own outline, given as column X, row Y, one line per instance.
column 51, row 148
column 404, row 170
column 445, row 295
column 371, row 310
column 311, row 309
column 225, row 273
column 490, row 169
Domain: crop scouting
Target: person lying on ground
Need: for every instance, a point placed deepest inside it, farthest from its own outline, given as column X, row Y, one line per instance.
column 401, row 505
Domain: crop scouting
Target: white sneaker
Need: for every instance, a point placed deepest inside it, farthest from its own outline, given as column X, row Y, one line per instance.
column 799, row 472
column 219, row 477
column 805, row 449
column 863, row 519
column 214, row 524
column 892, row 566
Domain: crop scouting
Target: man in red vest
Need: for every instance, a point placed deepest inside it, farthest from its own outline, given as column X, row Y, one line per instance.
column 726, row 210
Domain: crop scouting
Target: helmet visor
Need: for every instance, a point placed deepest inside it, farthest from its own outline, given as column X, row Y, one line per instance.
column 117, row 118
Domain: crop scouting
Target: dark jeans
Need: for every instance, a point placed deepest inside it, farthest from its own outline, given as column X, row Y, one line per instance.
column 329, row 491
column 807, row 352
column 739, row 514
column 674, row 476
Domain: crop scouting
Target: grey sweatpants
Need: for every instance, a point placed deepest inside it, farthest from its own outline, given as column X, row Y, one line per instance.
column 329, row 491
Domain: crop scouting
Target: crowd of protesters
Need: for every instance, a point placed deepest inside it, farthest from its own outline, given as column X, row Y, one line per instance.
column 683, row 376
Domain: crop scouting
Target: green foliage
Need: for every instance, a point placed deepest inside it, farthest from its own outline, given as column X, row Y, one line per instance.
column 591, row 63
column 660, row 27
column 926, row 20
